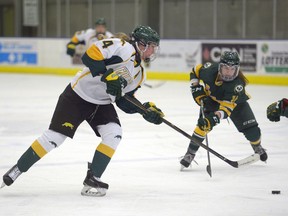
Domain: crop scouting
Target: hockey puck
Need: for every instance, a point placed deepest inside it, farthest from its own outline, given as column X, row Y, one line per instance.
column 276, row 191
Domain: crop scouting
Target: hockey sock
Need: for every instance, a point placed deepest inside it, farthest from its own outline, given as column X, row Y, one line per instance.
column 29, row 158
column 101, row 159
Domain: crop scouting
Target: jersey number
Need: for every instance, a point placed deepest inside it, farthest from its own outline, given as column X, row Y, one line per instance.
column 107, row 43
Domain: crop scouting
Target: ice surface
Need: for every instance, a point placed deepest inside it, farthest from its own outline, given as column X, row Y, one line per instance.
column 144, row 174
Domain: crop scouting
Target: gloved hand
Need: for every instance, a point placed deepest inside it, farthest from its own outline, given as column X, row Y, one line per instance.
column 115, row 84
column 71, row 49
column 277, row 109
column 208, row 122
column 198, row 93
column 153, row 114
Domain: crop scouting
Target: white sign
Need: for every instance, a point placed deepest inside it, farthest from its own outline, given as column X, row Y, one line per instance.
column 30, row 13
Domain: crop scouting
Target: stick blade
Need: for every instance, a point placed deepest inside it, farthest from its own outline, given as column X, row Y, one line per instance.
column 209, row 171
column 249, row 160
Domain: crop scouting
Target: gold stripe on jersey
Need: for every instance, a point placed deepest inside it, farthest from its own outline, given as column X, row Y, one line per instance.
column 105, row 149
column 37, row 147
column 196, row 69
column 142, row 75
column 75, row 39
column 94, row 53
column 226, row 110
column 83, row 75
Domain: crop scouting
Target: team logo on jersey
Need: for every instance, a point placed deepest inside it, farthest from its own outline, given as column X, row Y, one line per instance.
column 53, row 143
column 238, row 89
column 118, row 137
column 207, row 65
column 68, row 124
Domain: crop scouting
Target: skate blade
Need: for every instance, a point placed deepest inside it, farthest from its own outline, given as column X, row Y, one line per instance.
column 89, row 191
column 3, row 185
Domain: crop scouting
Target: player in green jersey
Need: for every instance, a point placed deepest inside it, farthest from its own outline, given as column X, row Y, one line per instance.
column 223, row 95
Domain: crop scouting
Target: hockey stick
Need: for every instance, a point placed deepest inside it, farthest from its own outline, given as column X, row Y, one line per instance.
column 248, row 160
column 208, row 167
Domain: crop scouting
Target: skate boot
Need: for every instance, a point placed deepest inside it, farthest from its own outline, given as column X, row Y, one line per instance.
column 93, row 186
column 258, row 149
column 11, row 175
column 187, row 160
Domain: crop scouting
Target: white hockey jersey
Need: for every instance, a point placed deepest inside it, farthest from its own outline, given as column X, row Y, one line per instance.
column 118, row 55
column 88, row 36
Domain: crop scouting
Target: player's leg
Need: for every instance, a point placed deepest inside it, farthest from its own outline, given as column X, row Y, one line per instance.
column 189, row 156
column 66, row 118
column 105, row 124
column 245, row 121
column 39, row 148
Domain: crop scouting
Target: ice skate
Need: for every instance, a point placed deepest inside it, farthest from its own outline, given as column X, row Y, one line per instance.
column 10, row 176
column 258, row 149
column 186, row 160
column 93, row 186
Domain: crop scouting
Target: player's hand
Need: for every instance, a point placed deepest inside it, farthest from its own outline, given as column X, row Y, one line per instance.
column 277, row 109
column 71, row 49
column 208, row 122
column 153, row 114
column 115, row 84
column 198, row 93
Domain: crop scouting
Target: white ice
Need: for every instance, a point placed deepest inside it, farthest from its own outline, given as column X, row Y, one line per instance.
column 144, row 174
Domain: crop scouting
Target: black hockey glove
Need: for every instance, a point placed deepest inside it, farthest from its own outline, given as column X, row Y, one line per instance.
column 208, row 122
column 71, row 49
column 277, row 109
column 198, row 93
column 153, row 114
column 115, row 84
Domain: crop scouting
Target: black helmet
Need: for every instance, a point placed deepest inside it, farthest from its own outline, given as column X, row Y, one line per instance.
column 100, row 21
column 145, row 35
column 230, row 58
column 229, row 66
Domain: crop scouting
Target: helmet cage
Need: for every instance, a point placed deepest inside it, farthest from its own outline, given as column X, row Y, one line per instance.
column 228, row 72
column 147, row 46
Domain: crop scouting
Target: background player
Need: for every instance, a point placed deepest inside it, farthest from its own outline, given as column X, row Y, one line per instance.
column 113, row 68
column 223, row 95
column 88, row 37
column 277, row 109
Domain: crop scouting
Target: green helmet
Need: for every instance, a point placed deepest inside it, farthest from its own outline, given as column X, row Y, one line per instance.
column 145, row 35
column 230, row 58
column 100, row 21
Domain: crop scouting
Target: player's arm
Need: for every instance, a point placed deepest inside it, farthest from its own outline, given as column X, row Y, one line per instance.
column 153, row 114
column 71, row 46
column 196, row 88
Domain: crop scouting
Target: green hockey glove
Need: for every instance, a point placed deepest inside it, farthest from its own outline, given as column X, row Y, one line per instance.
column 277, row 109
column 71, row 49
column 207, row 123
column 153, row 114
column 115, row 84
column 198, row 93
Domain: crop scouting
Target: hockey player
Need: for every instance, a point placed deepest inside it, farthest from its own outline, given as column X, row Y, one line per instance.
column 113, row 68
column 88, row 36
column 277, row 109
column 223, row 96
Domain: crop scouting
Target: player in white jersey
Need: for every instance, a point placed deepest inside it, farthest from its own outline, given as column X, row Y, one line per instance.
column 113, row 69
column 88, row 37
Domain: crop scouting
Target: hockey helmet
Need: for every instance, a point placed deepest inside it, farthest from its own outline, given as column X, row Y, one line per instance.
column 229, row 65
column 100, row 21
column 147, row 38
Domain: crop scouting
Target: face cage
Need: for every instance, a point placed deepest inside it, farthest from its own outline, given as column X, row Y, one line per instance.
column 228, row 78
column 153, row 56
